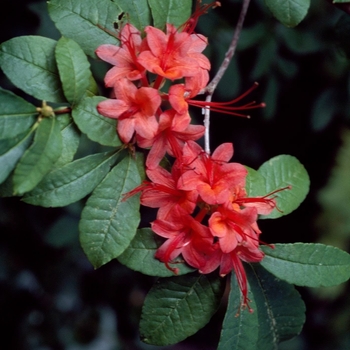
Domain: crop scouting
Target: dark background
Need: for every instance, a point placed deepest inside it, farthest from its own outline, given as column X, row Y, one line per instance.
column 50, row 296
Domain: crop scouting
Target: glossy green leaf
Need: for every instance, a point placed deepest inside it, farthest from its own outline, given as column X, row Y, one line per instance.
column 16, row 114
column 139, row 256
column 108, row 224
column 177, row 307
column 176, row 12
column 88, row 22
column 29, row 62
column 72, row 182
column 11, row 150
column 278, row 313
column 255, row 183
column 136, row 12
column 341, row 1
column 280, row 172
column 70, row 140
column 74, row 69
column 39, row 158
column 308, row 264
column 97, row 127
column 289, row 12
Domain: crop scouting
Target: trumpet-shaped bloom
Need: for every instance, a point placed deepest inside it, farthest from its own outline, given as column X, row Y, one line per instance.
column 123, row 57
column 212, row 176
column 172, row 55
column 173, row 131
column 185, row 235
column 134, row 108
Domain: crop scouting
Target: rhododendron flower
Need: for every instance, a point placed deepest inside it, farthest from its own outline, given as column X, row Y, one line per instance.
column 173, row 130
column 162, row 192
column 212, row 176
column 123, row 57
column 234, row 228
column 172, row 55
column 134, row 108
column 181, row 230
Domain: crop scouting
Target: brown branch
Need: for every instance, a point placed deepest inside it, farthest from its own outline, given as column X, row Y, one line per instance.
column 209, row 90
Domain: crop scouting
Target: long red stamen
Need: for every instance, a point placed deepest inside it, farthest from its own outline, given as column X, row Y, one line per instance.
column 263, row 199
column 225, row 108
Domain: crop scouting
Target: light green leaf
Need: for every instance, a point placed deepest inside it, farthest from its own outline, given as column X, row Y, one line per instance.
column 136, row 12
column 74, row 69
column 307, row 264
column 139, row 256
column 97, row 127
column 39, row 158
column 11, row 150
column 177, row 307
column 278, row 313
column 29, row 62
column 289, row 12
column 176, row 12
column 16, row 114
column 88, row 22
column 255, row 183
column 280, row 172
column 108, row 224
column 72, row 182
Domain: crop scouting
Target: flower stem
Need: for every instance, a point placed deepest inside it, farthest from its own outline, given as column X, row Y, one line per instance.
column 209, row 90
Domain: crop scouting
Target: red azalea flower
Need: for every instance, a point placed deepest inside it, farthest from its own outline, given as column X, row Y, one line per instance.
column 124, row 57
column 171, row 55
column 212, row 176
column 173, row 130
column 162, row 192
column 134, row 108
column 181, row 231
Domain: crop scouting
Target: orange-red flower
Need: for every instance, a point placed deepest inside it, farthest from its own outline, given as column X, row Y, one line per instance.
column 172, row 55
column 123, row 57
column 134, row 108
column 211, row 175
column 173, row 131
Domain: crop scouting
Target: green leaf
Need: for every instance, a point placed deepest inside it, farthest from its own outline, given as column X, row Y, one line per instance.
column 72, row 182
column 176, row 12
column 39, row 158
column 11, row 150
column 88, row 22
column 177, row 307
column 108, row 224
column 74, row 69
column 70, row 140
column 255, row 183
column 29, row 62
column 340, row 1
column 97, row 127
column 289, row 12
column 137, row 12
column 16, row 114
column 280, row 172
column 139, row 256
column 279, row 313
column 307, row 264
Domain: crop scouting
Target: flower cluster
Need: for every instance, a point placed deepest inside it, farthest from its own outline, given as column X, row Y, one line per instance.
column 204, row 213
column 138, row 102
